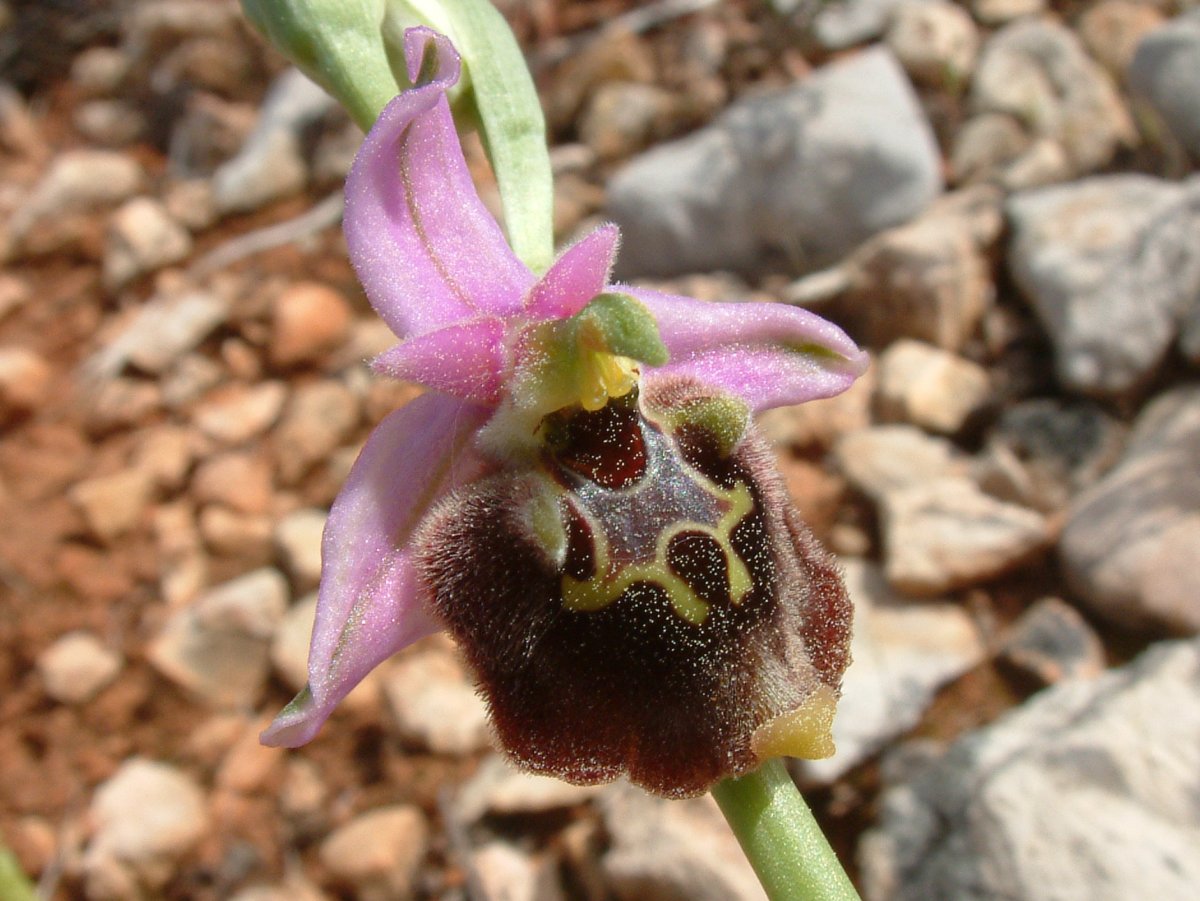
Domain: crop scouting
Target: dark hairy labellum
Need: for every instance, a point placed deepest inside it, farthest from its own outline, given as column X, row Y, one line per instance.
column 643, row 600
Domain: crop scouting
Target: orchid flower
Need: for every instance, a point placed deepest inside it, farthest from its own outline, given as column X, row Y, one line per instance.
column 581, row 497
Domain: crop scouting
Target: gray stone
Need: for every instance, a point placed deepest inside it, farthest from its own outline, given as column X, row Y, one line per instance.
column 1041, row 453
column 110, row 123
column 844, row 23
column 672, row 850
column 1110, row 264
column 319, row 418
column 1131, row 545
column 271, row 166
column 1052, row 642
column 1036, row 71
column 78, row 181
column 160, row 332
column 793, row 179
column 500, row 789
column 77, row 667
column 145, row 818
column 434, row 704
column 1163, row 73
column 1086, row 791
column 378, row 852
column 506, row 873
column 947, row 534
column 1112, row 30
column 887, row 458
column 936, row 41
column 998, row 12
column 902, row 653
column 929, row 279
column 142, row 237
column 217, row 648
column 986, row 147
column 238, row 413
column 930, row 387
column 298, row 538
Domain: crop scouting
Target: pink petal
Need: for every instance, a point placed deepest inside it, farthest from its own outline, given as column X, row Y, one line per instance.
column 370, row 604
column 467, row 360
column 579, row 274
column 770, row 354
column 425, row 248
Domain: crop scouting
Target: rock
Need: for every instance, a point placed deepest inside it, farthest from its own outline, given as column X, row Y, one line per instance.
column 1052, row 642
column 295, row 887
column 189, row 201
column 113, row 505
column 1112, row 30
column 378, row 852
column 1163, row 73
column 25, row 378
column 820, row 423
column 320, row 417
column 14, row 293
column 77, row 181
column 837, row 26
column 109, row 123
column 249, row 765
column 998, row 12
column 189, row 379
column 1032, row 806
column 1131, row 545
column 935, row 41
column 1037, row 71
column 499, row 789
column 218, row 647
column 902, row 654
column 797, row 178
column 946, row 534
column 165, row 453
column 99, row 71
column 271, row 166
column 672, row 850
column 508, row 874
column 1041, row 453
column 929, row 279
column 304, row 796
column 930, row 387
column 246, row 536
column 144, row 819
column 307, row 319
column 994, row 147
column 239, row 480
column 624, row 117
column 298, row 539
column 1109, row 264
column 77, row 667
column 142, row 237
column 116, row 404
column 434, row 704
column 886, row 458
column 160, row 333
column 237, row 413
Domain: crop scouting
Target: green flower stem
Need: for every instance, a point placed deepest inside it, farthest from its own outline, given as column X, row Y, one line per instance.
column 14, row 885
column 783, row 842
column 513, row 127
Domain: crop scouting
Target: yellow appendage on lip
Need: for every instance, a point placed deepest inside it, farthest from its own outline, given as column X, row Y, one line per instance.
column 806, row 732
column 603, row 377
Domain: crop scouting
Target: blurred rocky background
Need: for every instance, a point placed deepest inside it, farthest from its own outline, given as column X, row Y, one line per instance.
column 998, row 197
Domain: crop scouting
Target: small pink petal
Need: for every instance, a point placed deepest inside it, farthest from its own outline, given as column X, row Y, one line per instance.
column 370, row 604
column 467, row 360
column 425, row 248
column 770, row 354
column 579, row 274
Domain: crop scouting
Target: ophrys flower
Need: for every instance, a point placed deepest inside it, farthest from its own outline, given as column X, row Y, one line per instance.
column 581, row 497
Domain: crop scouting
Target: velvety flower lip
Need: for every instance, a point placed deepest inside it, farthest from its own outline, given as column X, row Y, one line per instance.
column 436, row 267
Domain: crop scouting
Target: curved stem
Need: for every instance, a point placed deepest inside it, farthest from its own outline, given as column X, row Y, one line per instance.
column 783, row 842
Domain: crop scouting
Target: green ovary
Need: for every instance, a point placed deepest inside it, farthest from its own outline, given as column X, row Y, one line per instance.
column 609, row 583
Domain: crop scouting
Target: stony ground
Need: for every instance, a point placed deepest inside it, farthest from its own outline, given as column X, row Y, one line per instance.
column 995, row 197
